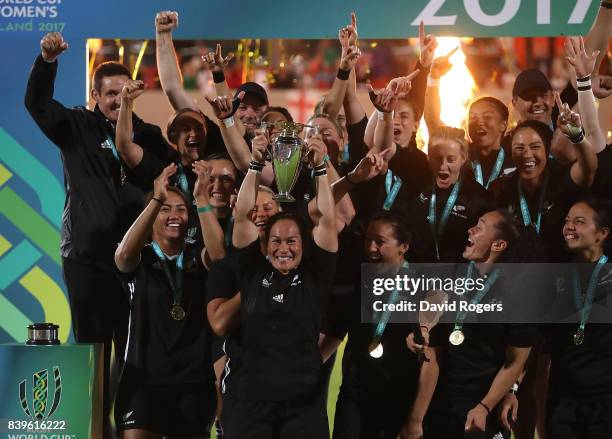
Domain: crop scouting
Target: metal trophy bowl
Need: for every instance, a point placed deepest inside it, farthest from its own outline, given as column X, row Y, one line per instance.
column 42, row 334
column 286, row 152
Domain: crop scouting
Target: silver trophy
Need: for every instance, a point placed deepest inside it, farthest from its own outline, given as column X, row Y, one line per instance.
column 287, row 153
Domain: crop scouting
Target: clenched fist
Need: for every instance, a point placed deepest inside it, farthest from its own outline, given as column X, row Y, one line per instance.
column 166, row 21
column 52, row 45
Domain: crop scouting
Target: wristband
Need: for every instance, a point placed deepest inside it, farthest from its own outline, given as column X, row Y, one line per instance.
column 431, row 82
column 484, row 405
column 607, row 5
column 218, row 77
column 343, row 74
column 381, row 114
column 584, row 84
column 256, row 164
column 158, row 200
column 321, row 166
column 424, row 327
column 228, row 122
column 578, row 138
column 319, row 173
column 204, row 209
column 346, row 177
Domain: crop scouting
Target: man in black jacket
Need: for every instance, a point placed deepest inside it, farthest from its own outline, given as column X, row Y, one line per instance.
column 103, row 195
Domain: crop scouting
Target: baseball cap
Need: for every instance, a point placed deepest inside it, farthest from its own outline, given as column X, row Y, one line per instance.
column 255, row 89
column 528, row 80
column 186, row 115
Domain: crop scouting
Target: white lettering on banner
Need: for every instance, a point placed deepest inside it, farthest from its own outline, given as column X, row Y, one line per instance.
column 543, row 12
column 429, row 17
column 579, row 12
column 507, row 13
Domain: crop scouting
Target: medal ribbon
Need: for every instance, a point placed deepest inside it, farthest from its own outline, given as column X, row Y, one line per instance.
column 450, row 203
column 386, row 315
column 499, row 162
column 116, row 155
column 182, row 180
column 393, row 184
column 587, row 303
column 525, row 207
column 177, row 284
column 461, row 315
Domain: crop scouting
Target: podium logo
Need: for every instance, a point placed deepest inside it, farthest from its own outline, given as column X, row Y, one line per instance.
column 40, row 394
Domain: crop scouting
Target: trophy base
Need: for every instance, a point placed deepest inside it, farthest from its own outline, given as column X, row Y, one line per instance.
column 284, row 197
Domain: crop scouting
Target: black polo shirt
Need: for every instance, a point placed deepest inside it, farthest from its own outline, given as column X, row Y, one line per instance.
column 161, row 350
column 281, row 321
column 472, row 202
column 602, row 185
column 561, row 194
column 583, row 372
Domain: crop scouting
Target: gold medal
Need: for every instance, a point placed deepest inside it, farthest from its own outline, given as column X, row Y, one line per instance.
column 579, row 337
column 177, row 312
column 456, row 337
column 375, row 349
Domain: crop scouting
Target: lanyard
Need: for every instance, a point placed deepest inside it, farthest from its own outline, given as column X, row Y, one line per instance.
column 393, row 184
column 587, row 301
column 345, row 153
column 525, row 207
column 499, row 162
column 177, row 284
column 182, row 180
column 438, row 229
column 461, row 315
column 386, row 315
column 109, row 141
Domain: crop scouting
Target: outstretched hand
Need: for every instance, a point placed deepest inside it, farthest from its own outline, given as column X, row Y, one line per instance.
column 52, row 45
column 200, row 188
column 215, row 60
column 224, row 106
column 370, row 166
column 569, row 121
column 576, row 55
column 166, row 21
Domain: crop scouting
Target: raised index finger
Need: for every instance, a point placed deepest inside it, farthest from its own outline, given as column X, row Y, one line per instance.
column 558, row 101
column 354, row 20
column 422, row 32
column 412, row 75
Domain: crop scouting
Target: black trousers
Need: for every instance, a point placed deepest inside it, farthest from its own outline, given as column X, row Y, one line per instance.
column 100, row 311
column 579, row 420
column 278, row 420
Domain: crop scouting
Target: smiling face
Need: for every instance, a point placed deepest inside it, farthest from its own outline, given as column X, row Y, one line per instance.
column 535, row 105
column 107, row 97
column 483, row 242
column 171, row 221
column 528, row 153
column 284, row 248
column 190, row 139
column 222, row 179
column 271, row 117
column 581, row 231
column 446, row 157
column 265, row 207
column 249, row 112
column 486, row 126
column 381, row 244
column 404, row 123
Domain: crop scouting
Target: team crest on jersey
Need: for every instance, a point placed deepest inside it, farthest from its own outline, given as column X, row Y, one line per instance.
column 267, row 281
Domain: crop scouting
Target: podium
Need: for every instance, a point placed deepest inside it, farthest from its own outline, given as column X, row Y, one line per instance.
column 51, row 392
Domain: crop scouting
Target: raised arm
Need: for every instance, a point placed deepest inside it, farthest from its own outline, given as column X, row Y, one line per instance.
column 502, row 383
column 369, row 167
column 569, row 123
column 127, row 255
column 598, row 37
column 214, row 248
column 217, row 64
column 130, row 152
column 49, row 115
column 431, row 111
column 350, row 52
column 167, row 65
column 583, row 64
column 245, row 231
column 324, row 232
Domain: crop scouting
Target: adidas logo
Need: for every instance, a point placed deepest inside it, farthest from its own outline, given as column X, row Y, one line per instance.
column 278, row 298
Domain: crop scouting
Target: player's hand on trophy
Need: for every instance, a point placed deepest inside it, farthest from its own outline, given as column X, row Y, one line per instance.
column 259, row 146
column 52, row 45
column 166, row 21
column 316, row 149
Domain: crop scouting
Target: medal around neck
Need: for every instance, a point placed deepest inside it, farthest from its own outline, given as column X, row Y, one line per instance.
column 456, row 337
column 376, row 350
column 177, row 312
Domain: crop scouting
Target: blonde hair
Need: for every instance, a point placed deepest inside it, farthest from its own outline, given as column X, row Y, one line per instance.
column 266, row 189
column 451, row 133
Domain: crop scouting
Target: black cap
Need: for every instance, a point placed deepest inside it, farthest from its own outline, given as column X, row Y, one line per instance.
column 528, row 80
column 195, row 116
column 253, row 88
